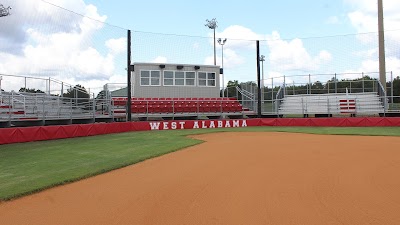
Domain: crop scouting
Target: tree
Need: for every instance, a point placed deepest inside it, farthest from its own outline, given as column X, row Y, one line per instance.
column 230, row 90
column 78, row 94
column 396, row 89
column 28, row 90
column 101, row 95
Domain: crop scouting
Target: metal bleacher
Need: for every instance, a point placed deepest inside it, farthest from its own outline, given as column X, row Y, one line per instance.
column 337, row 103
column 178, row 107
column 27, row 109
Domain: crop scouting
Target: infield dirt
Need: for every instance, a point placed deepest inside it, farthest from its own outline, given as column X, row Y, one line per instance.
column 235, row 178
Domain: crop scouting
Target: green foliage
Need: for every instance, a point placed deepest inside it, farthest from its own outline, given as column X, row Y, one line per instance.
column 29, row 90
column 77, row 94
column 101, row 95
column 396, row 89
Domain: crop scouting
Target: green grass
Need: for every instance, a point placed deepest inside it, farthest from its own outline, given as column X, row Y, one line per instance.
column 30, row 167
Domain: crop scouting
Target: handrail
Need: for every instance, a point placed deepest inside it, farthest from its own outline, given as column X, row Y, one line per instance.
column 382, row 94
column 245, row 93
column 279, row 96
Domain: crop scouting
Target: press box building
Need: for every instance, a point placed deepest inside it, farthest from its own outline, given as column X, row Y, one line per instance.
column 159, row 80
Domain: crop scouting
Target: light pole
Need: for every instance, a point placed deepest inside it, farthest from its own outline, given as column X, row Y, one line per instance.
column 262, row 59
column 212, row 24
column 381, row 46
column 222, row 43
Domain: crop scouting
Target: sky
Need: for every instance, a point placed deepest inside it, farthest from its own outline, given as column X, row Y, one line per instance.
column 43, row 38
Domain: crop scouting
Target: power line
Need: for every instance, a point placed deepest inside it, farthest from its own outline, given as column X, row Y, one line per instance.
column 79, row 14
column 195, row 36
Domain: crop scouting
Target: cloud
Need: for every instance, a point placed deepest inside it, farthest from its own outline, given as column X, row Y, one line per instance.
column 292, row 55
column 239, row 37
column 117, row 46
column 363, row 17
column 333, row 20
column 160, row 59
column 44, row 40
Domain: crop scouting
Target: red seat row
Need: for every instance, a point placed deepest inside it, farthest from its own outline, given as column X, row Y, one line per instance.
column 181, row 105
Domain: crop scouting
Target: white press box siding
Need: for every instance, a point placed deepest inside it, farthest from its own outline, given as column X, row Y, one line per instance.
column 160, row 80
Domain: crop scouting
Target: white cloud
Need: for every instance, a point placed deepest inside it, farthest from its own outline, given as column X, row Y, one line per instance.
column 364, row 18
column 58, row 44
column 231, row 59
column 292, row 55
column 239, row 37
column 160, row 59
column 117, row 46
column 333, row 20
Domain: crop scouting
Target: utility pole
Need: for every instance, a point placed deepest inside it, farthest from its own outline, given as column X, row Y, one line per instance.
column 381, row 30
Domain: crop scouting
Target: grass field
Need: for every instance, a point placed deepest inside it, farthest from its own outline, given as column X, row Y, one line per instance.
column 30, row 167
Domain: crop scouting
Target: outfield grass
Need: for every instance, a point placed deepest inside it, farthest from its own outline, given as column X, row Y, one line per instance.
column 30, row 167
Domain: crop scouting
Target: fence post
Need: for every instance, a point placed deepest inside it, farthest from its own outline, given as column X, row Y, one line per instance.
column 94, row 110
column 284, row 84
column 309, row 82
column 327, row 83
column 362, row 75
column 335, row 84
column 258, row 80
column 43, row 112
column 272, row 94
column 9, row 107
column 70, row 111
column 327, row 98
column 391, row 86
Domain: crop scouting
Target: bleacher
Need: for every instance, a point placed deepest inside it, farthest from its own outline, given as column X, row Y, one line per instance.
column 178, row 105
column 339, row 103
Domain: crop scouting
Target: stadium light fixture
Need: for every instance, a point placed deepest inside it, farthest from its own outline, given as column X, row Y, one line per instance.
column 4, row 11
column 212, row 24
column 222, row 43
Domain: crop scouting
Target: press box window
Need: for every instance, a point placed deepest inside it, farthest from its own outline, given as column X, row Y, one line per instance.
column 206, row 79
column 150, row 78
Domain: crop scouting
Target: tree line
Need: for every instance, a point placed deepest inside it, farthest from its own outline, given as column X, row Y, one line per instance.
column 365, row 84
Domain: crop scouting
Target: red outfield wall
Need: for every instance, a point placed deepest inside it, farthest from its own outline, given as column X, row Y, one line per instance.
column 27, row 134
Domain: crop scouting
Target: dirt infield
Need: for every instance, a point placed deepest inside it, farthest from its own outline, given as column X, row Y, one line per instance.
column 235, row 178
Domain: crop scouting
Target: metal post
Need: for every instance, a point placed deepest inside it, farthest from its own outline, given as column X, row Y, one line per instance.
column 309, row 82
column 62, row 89
column 215, row 50
column 335, row 84
column 381, row 30
column 49, row 86
column 272, row 93
column 284, row 84
column 76, row 96
column 258, row 80
column 129, row 104
column 391, row 85
column 223, row 72
column 363, row 85
column 25, row 83
column 94, row 110
column 350, row 86
column 263, row 79
column 327, row 83
column 222, row 43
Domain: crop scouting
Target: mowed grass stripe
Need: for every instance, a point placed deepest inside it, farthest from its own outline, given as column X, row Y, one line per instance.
column 30, row 167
